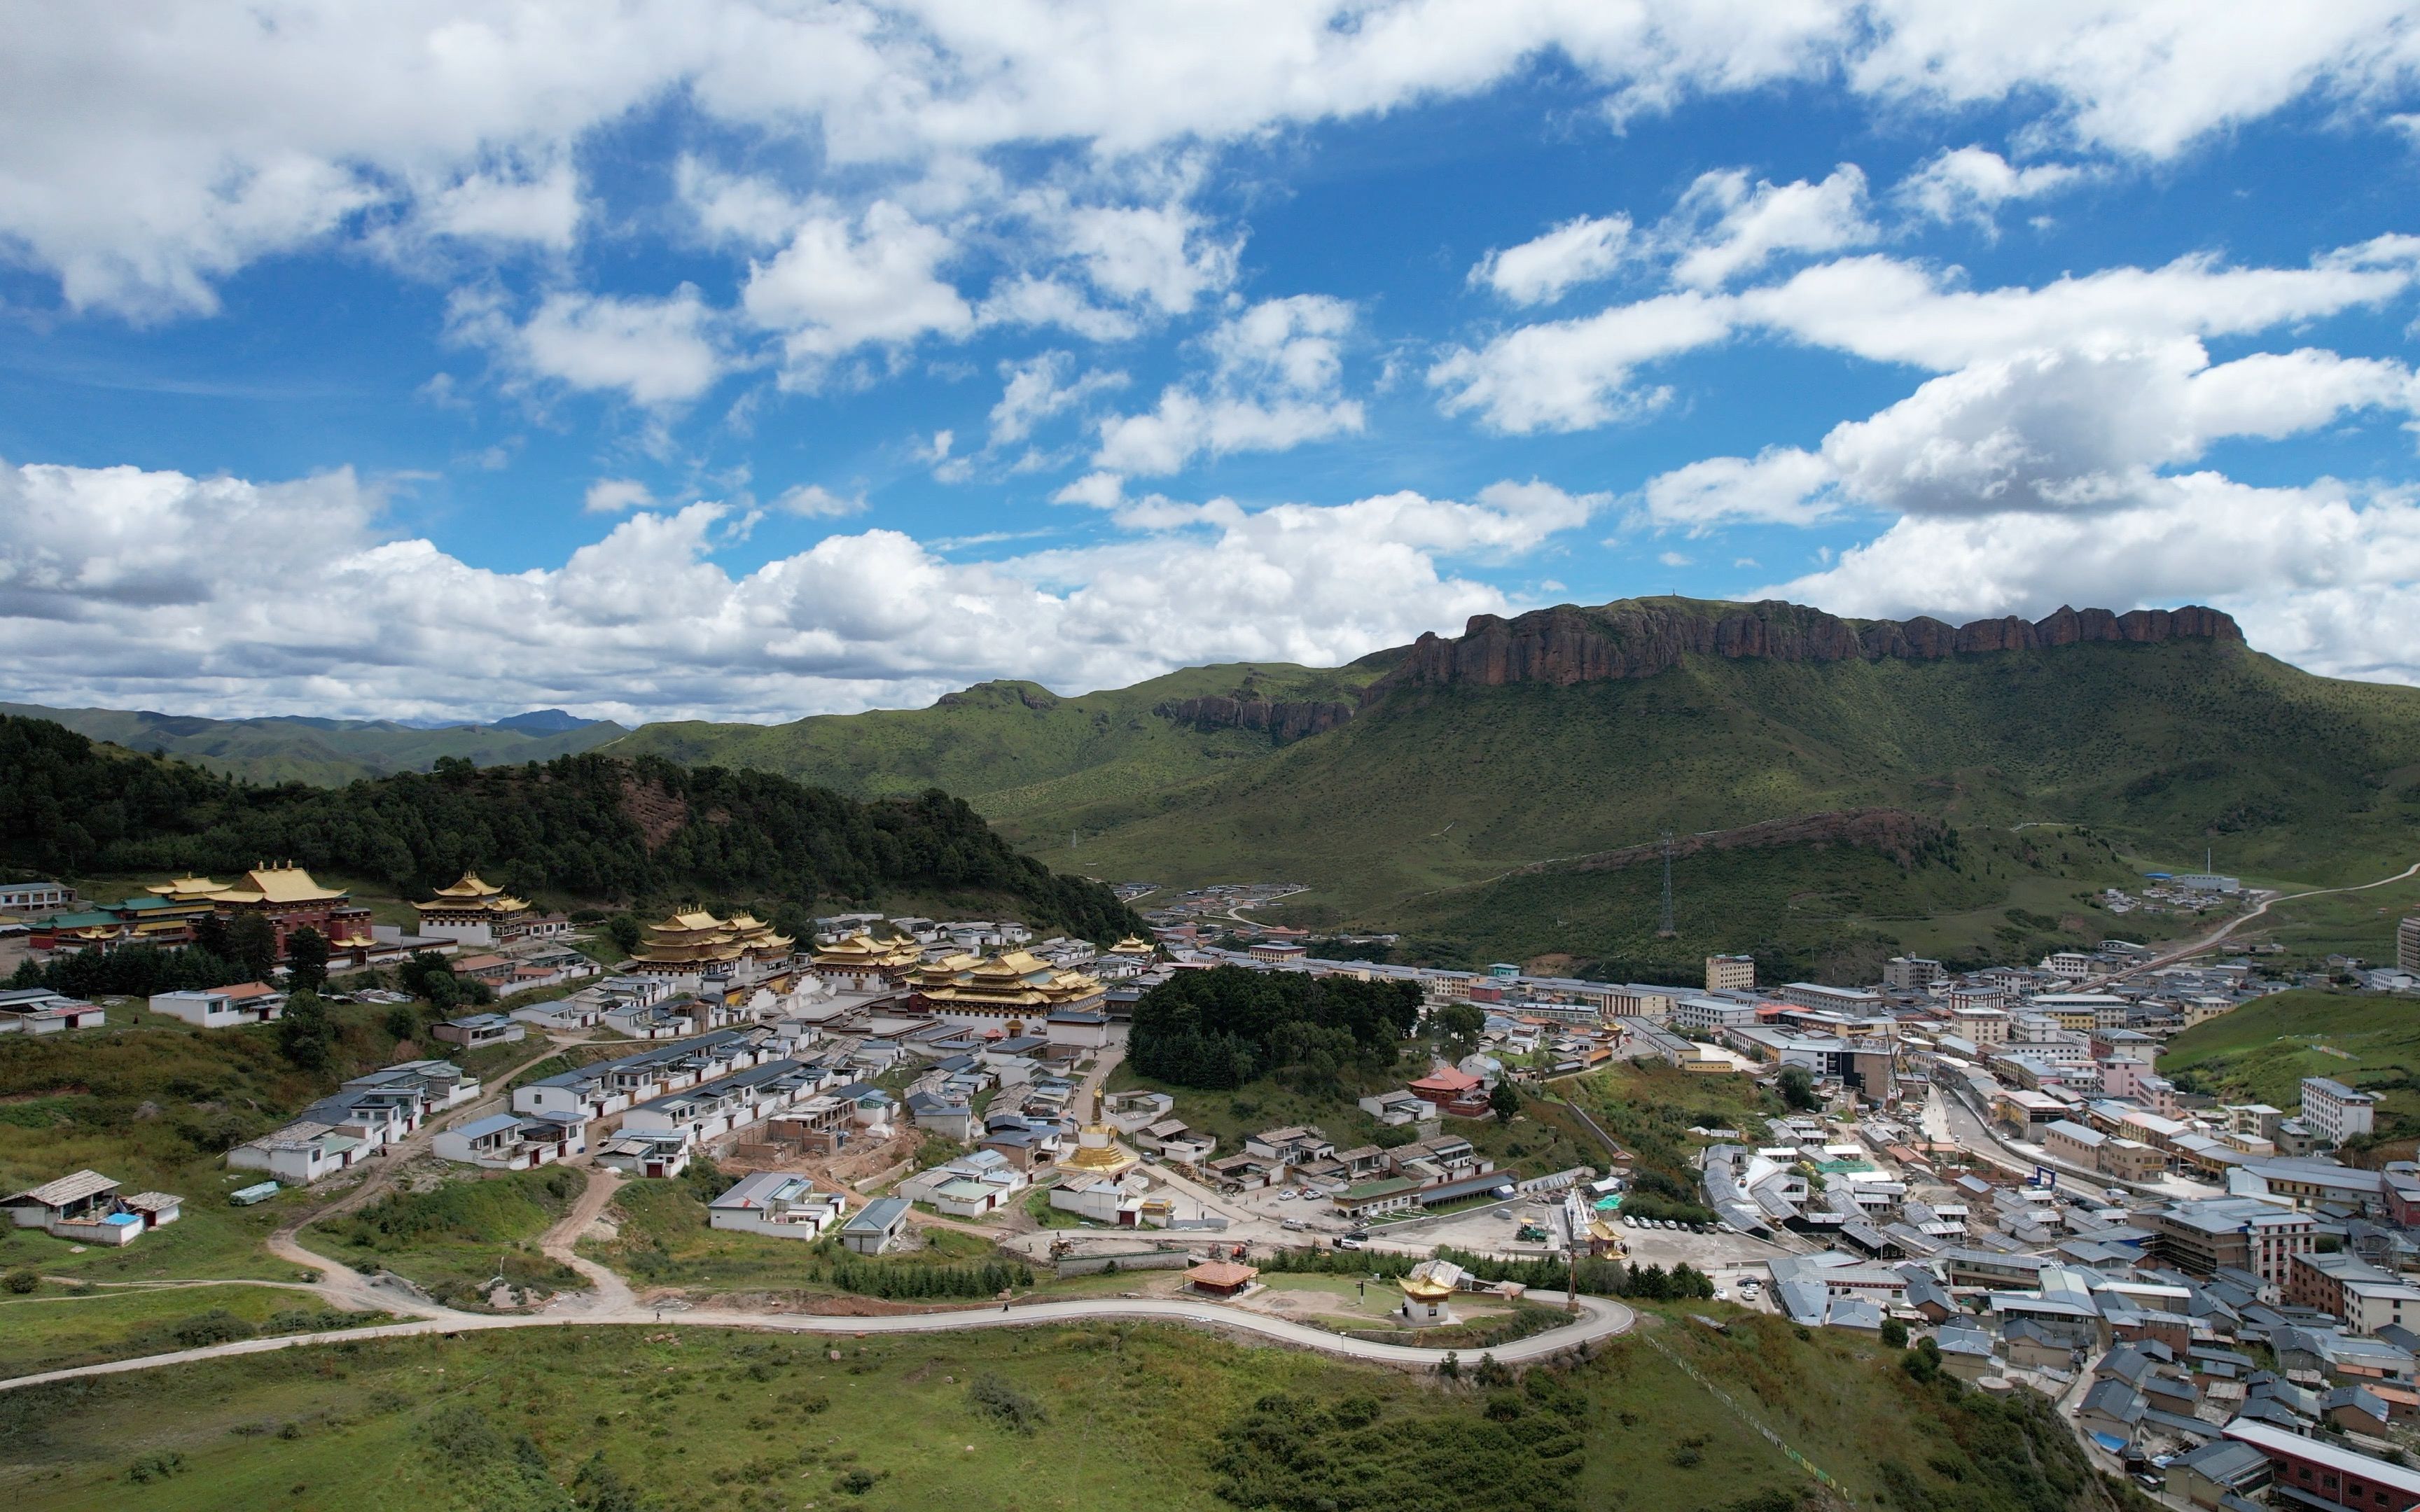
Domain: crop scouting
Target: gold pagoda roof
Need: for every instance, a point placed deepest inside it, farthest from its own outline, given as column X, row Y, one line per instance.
column 1131, row 946
column 1015, row 979
column 863, row 951
column 472, row 894
column 276, row 885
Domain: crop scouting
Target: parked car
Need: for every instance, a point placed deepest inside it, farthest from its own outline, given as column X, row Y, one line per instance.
column 1349, row 1242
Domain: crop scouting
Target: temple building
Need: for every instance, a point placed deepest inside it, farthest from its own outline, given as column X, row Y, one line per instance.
column 736, row 953
column 1427, row 1292
column 1133, row 949
column 858, row 962
column 290, row 900
column 1015, row 985
column 473, row 912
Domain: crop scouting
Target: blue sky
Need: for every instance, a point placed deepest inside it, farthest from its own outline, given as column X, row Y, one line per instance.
column 742, row 359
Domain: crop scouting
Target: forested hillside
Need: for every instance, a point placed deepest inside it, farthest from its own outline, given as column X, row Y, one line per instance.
column 585, row 826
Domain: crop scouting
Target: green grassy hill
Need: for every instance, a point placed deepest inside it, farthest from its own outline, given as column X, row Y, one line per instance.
column 321, row 752
column 1016, row 750
column 2262, row 1051
column 2161, row 747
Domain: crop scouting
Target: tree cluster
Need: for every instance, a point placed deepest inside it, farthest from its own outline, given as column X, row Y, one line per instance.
column 591, row 826
column 1227, row 1026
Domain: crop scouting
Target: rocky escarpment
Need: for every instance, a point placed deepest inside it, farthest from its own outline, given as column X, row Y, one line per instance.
column 1283, row 721
column 1568, row 644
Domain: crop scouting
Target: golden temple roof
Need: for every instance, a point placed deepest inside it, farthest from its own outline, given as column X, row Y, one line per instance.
column 193, row 889
column 276, row 885
column 473, row 895
column 1130, row 946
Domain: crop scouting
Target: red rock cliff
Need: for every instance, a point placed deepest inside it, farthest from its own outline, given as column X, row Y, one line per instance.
column 1568, row 644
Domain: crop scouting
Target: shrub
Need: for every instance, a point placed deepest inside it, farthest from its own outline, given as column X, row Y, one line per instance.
column 25, row 1281
column 1006, row 1403
column 149, row 1468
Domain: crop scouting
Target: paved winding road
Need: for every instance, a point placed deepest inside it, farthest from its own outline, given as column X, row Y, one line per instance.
column 1600, row 1318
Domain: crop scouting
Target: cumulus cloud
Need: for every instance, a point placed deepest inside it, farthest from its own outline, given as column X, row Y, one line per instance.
column 1971, row 184
column 1275, row 383
column 654, row 352
column 2037, row 432
column 813, row 501
column 1725, row 226
column 1582, row 371
column 1040, row 388
column 513, row 204
column 145, row 589
column 144, row 156
column 839, row 285
column 614, row 496
column 2326, row 575
column 1538, row 271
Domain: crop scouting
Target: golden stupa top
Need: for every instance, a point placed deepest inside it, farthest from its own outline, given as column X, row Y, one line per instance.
column 1131, row 946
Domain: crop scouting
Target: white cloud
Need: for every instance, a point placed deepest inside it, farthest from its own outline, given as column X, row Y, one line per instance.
column 1724, row 226
column 613, row 496
column 1971, row 184
column 2322, row 575
column 1781, row 486
column 656, row 351
column 134, row 589
column 813, row 501
column 1571, row 375
column 1029, row 299
column 1040, row 388
column 839, row 286
column 1275, row 384
column 2039, row 431
column 542, row 208
column 147, row 154
column 1160, row 254
column 744, row 208
column 1538, row 271
column 1574, row 374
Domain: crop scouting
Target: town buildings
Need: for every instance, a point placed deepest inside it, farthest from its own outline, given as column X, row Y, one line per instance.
column 2334, row 1112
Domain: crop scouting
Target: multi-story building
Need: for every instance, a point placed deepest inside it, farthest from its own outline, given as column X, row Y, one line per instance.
column 35, row 897
column 2348, row 1287
column 1714, row 1012
column 1730, row 972
column 2334, row 1112
column 2244, row 1233
column 1910, row 973
column 2406, row 943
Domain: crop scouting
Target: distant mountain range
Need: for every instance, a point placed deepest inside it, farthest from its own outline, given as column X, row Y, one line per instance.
column 331, row 752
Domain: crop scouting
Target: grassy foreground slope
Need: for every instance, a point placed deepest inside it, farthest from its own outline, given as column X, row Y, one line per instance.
column 691, row 1420
column 321, row 752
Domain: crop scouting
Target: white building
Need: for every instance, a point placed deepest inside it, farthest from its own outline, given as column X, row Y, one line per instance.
column 1713, row 1013
column 35, row 897
column 2334, row 1112
column 221, row 1007
column 779, row 1205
